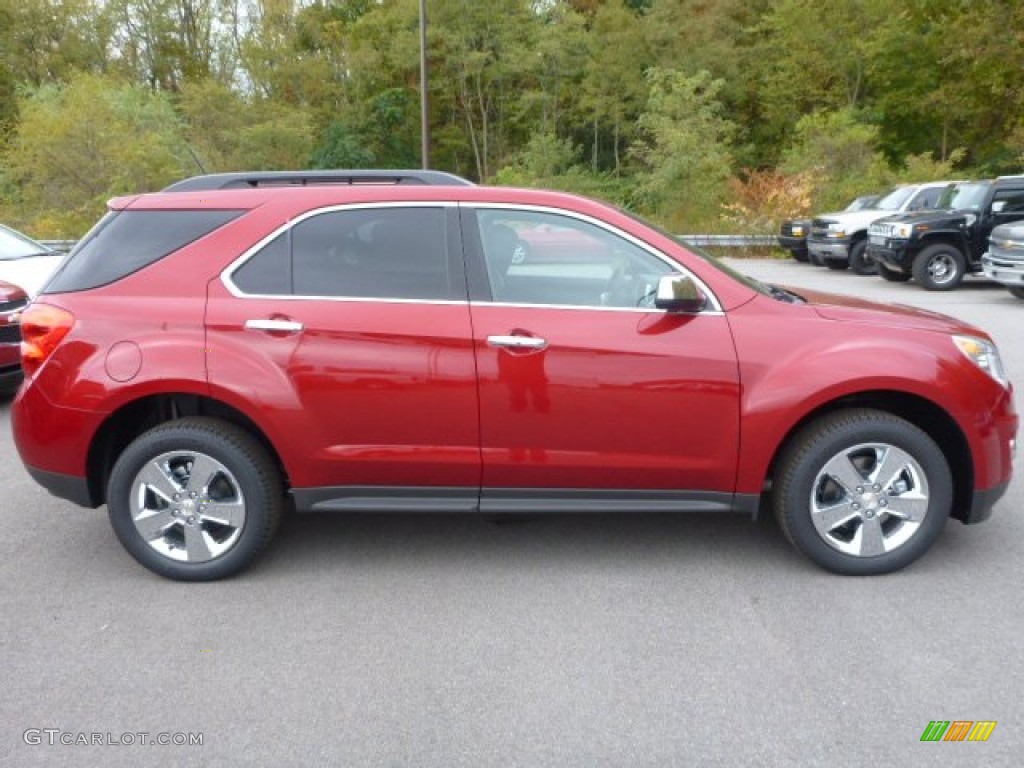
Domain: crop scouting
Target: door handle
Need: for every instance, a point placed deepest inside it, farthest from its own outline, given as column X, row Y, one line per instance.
column 274, row 326
column 517, row 342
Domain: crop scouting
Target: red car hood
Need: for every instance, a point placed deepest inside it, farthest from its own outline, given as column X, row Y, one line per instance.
column 854, row 310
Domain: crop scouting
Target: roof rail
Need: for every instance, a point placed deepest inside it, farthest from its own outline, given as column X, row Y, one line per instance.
column 1007, row 178
column 254, row 179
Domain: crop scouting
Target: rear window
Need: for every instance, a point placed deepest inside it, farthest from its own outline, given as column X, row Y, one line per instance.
column 124, row 242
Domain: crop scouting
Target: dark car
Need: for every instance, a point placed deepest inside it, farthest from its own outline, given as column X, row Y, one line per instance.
column 1004, row 261
column 210, row 355
column 938, row 248
column 12, row 302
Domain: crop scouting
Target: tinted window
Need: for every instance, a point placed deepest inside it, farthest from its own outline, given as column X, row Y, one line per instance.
column 396, row 253
column 126, row 241
column 544, row 258
column 1008, row 201
column 926, row 198
column 269, row 270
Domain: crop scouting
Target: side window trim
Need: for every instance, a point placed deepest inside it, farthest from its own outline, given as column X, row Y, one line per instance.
column 453, row 253
column 476, row 267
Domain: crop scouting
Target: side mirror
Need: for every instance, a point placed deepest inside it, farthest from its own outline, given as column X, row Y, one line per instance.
column 679, row 293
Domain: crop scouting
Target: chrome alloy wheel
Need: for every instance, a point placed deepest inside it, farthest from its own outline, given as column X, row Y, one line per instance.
column 942, row 268
column 187, row 506
column 869, row 499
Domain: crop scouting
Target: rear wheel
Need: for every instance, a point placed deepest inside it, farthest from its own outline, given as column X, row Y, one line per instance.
column 939, row 267
column 892, row 275
column 860, row 262
column 195, row 500
column 862, row 492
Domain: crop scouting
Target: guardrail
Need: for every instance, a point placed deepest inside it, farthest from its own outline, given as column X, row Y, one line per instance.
column 715, row 241
column 729, row 241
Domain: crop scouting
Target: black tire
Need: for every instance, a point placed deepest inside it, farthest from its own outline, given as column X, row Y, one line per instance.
column 801, row 256
column 836, row 264
column 892, row 275
column 852, row 443
column 1018, row 292
column 860, row 262
column 239, row 482
column 939, row 267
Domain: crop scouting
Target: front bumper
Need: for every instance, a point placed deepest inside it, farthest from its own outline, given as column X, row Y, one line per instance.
column 894, row 254
column 794, row 244
column 1002, row 269
column 830, row 250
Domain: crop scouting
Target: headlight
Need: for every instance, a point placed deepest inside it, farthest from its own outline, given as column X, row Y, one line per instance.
column 797, row 231
column 984, row 355
column 836, row 230
column 903, row 231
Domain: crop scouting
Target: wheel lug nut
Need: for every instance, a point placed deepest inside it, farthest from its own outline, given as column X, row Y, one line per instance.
column 855, row 505
column 876, row 487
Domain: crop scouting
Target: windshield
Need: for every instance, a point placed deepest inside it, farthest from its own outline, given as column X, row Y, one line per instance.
column 964, row 197
column 15, row 246
column 895, row 200
column 863, row 203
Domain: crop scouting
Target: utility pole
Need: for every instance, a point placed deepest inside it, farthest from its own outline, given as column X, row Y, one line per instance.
column 424, row 90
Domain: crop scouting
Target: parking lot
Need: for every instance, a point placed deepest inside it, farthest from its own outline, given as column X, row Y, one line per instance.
column 587, row 640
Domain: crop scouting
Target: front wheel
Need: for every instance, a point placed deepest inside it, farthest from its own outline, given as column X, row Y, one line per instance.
column 862, row 492
column 195, row 500
column 939, row 267
column 1018, row 292
column 860, row 262
column 836, row 265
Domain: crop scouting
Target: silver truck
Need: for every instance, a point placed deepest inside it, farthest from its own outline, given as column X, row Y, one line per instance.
column 1004, row 261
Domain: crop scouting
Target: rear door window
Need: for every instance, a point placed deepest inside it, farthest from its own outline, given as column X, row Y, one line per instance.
column 384, row 253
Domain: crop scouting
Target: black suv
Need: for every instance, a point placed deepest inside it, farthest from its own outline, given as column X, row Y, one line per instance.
column 937, row 248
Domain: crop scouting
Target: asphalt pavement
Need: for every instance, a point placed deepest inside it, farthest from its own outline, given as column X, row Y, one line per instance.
column 564, row 641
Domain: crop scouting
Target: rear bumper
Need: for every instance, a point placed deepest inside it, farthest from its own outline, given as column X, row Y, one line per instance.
column 69, row 487
column 53, row 443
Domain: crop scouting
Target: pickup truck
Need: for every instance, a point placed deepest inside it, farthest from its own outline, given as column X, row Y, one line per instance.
column 1004, row 261
column 937, row 248
column 838, row 240
column 793, row 232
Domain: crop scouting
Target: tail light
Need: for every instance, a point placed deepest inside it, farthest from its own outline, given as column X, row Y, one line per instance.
column 43, row 327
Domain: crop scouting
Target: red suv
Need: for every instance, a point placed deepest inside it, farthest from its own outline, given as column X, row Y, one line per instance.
column 239, row 341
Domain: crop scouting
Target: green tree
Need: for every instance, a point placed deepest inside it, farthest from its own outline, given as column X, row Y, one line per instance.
column 683, row 152
column 79, row 144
